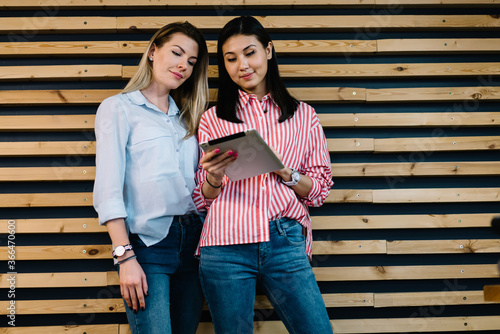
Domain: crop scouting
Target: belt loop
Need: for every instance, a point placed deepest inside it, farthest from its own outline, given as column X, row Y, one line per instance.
column 279, row 227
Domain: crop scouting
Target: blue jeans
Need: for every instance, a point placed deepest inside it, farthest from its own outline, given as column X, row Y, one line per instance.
column 175, row 300
column 229, row 275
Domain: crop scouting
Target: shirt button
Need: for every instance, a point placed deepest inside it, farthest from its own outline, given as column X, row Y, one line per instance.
column 177, row 150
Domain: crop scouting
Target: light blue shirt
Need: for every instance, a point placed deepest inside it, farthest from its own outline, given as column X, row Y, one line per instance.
column 145, row 170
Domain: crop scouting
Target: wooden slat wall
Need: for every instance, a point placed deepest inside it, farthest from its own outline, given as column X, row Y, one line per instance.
column 408, row 94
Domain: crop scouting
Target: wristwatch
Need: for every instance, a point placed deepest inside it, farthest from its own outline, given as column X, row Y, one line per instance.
column 295, row 178
column 120, row 250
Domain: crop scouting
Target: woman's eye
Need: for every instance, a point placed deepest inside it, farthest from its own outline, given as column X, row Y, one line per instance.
column 176, row 53
column 231, row 59
column 250, row 53
column 190, row 62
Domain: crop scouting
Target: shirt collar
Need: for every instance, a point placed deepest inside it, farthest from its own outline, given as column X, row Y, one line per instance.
column 138, row 98
column 246, row 97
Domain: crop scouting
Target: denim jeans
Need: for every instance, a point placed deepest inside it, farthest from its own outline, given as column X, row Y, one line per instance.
column 175, row 300
column 229, row 276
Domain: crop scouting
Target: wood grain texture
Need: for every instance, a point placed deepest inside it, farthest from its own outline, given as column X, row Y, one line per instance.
column 55, row 225
column 371, row 273
column 432, row 298
column 45, row 200
column 394, row 171
column 47, row 148
column 431, row 221
column 56, row 173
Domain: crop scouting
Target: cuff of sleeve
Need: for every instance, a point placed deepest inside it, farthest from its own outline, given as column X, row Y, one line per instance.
column 314, row 192
column 111, row 210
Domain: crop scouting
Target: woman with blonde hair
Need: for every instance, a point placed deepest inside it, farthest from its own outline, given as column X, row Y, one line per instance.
column 146, row 160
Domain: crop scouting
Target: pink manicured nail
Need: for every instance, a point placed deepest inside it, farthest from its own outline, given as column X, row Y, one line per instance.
column 217, row 150
column 236, row 154
column 230, row 153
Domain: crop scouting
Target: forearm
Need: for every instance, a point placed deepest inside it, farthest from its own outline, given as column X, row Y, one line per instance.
column 118, row 234
column 212, row 187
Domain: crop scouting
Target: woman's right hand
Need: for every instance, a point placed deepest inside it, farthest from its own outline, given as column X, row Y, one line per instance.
column 215, row 163
column 133, row 285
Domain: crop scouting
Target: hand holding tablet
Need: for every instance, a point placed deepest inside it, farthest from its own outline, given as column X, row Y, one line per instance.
column 255, row 157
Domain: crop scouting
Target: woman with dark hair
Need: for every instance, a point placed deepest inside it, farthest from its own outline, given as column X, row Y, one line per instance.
column 147, row 156
column 253, row 233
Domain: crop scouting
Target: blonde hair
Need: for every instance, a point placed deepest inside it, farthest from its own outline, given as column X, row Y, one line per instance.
column 192, row 96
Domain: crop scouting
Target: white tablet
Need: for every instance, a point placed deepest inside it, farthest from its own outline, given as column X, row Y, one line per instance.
column 255, row 157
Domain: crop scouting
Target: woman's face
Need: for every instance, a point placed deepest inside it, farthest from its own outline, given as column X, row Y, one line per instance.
column 174, row 61
column 245, row 60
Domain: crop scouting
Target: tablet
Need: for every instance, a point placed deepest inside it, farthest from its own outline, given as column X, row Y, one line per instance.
column 255, row 157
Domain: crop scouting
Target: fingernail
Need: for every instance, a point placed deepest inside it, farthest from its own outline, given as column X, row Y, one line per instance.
column 236, row 154
column 217, row 150
column 135, row 311
column 147, row 293
column 230, row 153
column 142, row 308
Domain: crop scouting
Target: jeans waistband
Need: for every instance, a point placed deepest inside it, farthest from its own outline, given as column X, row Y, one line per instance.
column 188, row 218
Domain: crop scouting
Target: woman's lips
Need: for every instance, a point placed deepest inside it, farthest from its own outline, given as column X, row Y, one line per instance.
column 177, row 75
column 247, row 76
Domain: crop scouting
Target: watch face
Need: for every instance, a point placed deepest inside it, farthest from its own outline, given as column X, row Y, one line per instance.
column 119, row 250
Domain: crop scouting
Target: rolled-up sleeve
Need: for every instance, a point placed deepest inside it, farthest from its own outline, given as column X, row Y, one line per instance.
column 317, row 165
column 112, row 131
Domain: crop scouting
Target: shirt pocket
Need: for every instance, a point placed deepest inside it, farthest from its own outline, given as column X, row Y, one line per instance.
column 153, row 151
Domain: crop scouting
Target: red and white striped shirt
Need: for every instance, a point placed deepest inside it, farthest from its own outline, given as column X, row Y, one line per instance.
column 242, row 211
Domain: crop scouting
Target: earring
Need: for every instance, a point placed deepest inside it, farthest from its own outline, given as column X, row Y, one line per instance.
column 151, row 58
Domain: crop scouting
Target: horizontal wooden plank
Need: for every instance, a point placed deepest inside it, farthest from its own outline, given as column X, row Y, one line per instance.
column 433, row 144
column 67, row 252
column 439, row 45
column 433, row 94
column 68, row 329
column 369, row 71
column 350, row 196
column 313, row 94
column 47, row 122
column 351, row 145
column 67, row 306
column 349, row 247
column 319, row 22
column 433, row 298
column 47, row 148
column 56, row 280
column 425, row 144
column 55, row 225
column 391, row 169
column 75, row 4
column 45, row 200
column 58, row 72
column 116, row 305
column 54, row 97
column 402, row 221
column 416, row 324
column 436, row 195
column 86, row 122
column 431, row 195
column 96, row 96
column 115, row 48
column 62, row 173
column 325, row 94
column 406, row 272
column 491, row 293
column 102, row 24
column 443, row 246
column 26, row 25
column 426, row 119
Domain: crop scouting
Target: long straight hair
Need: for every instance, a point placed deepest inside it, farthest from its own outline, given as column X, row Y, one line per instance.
column 227, row 98
column 192, row 96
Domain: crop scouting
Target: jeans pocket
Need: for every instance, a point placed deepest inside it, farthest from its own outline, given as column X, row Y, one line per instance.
column 293, row 232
